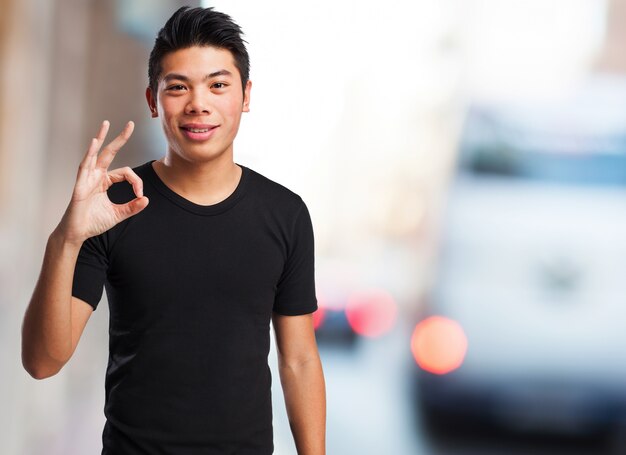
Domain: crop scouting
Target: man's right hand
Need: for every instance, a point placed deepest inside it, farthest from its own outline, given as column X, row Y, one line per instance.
column 90, row 211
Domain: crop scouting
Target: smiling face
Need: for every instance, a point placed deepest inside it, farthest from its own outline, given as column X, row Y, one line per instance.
column 199, row 100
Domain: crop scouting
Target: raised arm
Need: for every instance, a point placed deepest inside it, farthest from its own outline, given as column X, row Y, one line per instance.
column 302, row 380
column 54, row 320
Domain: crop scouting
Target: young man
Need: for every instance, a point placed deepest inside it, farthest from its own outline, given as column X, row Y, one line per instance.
column 197, row 254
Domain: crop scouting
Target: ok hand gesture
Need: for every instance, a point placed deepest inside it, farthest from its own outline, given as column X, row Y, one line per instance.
column 90, row 211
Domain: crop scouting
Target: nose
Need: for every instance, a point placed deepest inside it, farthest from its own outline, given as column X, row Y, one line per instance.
column 198, row 103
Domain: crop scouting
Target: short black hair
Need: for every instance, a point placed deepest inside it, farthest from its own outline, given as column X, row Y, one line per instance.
column 198, row 27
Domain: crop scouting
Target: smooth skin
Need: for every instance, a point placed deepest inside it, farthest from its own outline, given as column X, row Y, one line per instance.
column 198, row 85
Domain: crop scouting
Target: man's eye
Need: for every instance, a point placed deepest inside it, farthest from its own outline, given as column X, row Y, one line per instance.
column 219, row 85
column 176, row 87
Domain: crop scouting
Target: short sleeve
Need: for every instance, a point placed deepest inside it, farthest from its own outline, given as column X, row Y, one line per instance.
column 90, row 271
column 295, row 292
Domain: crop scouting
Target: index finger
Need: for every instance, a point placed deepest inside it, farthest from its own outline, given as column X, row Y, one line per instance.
column 95, row 144
column 111, row 149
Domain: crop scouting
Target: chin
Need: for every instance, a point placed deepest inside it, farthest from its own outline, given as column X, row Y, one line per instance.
column 202, row 155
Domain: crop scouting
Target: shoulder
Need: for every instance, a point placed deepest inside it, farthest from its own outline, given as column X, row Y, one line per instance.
column 273, row 194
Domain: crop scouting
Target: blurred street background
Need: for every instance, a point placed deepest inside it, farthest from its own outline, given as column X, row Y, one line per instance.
column 464, row 164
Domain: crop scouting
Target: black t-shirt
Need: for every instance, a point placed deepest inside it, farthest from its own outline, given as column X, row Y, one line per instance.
column 191, row 290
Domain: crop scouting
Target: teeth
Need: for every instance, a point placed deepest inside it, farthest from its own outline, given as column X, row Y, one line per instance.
column 196, row 130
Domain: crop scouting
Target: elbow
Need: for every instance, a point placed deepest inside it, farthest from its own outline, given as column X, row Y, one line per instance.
column 40, row 373
column 38, row 362
column 40, row 370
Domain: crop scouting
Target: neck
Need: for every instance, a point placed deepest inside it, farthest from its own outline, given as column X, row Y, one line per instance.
column 201, row 182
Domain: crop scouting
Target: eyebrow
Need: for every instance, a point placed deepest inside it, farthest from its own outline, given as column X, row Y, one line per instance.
column 182, row 77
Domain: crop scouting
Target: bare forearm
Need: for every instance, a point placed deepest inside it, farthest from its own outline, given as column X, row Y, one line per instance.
column 50, row 331
column 47, row 327
column 305, row 399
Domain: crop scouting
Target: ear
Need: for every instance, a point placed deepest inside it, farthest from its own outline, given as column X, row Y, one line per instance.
column 152, row 104
column 246, row 96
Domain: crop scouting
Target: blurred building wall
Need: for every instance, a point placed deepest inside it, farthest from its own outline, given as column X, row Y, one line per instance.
column 24, row 32
column 613, row 58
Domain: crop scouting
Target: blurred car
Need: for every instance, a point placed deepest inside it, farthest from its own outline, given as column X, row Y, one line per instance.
column 525, row 322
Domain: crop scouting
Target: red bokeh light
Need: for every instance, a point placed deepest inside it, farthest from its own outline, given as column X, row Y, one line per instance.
column 439, row 344
column 372, row 313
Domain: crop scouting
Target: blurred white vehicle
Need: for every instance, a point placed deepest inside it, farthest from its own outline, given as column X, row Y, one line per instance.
column 525, row 324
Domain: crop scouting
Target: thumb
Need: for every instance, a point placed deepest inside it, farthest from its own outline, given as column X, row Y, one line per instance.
column 133, row 207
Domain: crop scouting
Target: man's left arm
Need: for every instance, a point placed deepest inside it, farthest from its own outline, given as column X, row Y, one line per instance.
column 302, row 380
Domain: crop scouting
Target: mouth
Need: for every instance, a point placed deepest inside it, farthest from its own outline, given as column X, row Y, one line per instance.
column 198, row 132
